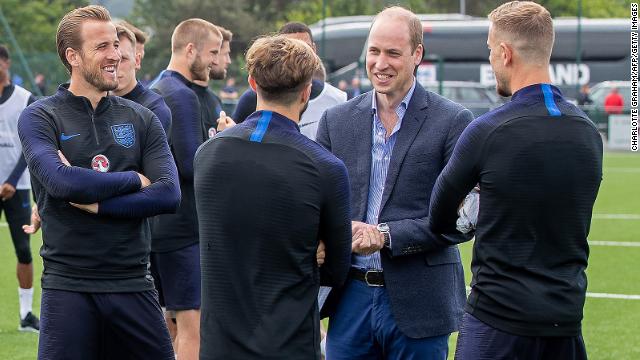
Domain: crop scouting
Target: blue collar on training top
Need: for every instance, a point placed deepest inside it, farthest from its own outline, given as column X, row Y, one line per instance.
column 548, row 93
column 266, row 120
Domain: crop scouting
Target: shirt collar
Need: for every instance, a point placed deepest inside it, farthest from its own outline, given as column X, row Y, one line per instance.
column 405, row 100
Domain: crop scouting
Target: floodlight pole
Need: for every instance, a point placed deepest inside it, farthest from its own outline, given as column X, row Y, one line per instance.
column 463, row 7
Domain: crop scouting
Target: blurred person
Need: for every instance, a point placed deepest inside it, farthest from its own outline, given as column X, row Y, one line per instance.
column 538, row 161
column 354, row 89
column 129, row 87
column 229, row 91
column 210, row 103
column 100, row 165
column 260, row 277
column 323, row 95
column 584, row 98
column 41, row 83
column 613, row 103
column 342, row 85
column 401, row 301
column 16, row 186
column 175, row 253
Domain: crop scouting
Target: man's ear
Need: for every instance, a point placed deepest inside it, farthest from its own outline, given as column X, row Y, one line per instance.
column 253, row 84
column 306, row 94
column 73, row 57
column 506, row 54
column 417, row 55
column 138, row 58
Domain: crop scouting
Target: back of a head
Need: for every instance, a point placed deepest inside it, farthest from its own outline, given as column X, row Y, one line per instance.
column 281, row 67
column 528, row 27
column 69, row 34
column 295, row 28
column 195, row 31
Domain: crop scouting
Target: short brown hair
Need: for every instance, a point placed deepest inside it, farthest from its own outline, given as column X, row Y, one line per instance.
column 281, row 67
column 527, row 26
column 70, row 29
column 124, row 32
column 4, row 52
column 413, row 23
column 141, row 36
column 194, row 31
column 226, row 34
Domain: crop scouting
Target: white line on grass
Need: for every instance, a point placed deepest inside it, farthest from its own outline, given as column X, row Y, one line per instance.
column 617, row 216
column 602, row 295
column 614, row 243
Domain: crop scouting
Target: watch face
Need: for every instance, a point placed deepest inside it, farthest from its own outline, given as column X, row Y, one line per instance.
column 383, row 227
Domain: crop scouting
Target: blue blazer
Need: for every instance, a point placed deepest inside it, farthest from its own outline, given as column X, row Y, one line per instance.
column 422, row 271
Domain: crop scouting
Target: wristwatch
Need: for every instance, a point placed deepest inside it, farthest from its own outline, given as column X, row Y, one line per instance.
column 384, row 230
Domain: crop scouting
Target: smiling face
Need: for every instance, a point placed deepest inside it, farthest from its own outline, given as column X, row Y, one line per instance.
column 127, row 68
column 205, row 58
column 219, row 71
column 390, row 58
column 99, row 56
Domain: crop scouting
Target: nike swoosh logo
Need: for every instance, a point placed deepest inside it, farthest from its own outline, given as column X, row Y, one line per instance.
column 307, row 124
column 64, row 137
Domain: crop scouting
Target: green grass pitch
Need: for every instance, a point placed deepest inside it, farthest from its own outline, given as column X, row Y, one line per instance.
column 610, row 326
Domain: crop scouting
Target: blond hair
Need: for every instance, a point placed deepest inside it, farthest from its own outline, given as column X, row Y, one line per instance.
column 527, row 26
column 70, row 29
column 126, row 33
column 413, row 23
column 141, row 36
column 281, row 67
column 193, row 31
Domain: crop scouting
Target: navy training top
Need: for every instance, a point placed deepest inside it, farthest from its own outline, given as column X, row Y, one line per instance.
column 265, row 195
column 108, row 251
column 175, row 231
column 538, row 161
column 153, row 102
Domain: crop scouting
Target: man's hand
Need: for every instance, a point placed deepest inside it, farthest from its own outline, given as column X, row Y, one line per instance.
column 144, row 181
column 35, row 221
column 63, row 159
column 90, row 208
column 224, row 122
column 7, row 191
column 366, row 238
column 320, row 253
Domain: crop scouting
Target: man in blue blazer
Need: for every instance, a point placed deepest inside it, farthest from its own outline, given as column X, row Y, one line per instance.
column 406, row 289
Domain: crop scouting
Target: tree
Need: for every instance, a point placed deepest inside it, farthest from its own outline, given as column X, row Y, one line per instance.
column 34, row 24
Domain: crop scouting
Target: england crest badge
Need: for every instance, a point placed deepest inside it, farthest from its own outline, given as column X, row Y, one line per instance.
column 124, row 134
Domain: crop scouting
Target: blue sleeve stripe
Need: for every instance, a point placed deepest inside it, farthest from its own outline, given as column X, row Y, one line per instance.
column 548, row 101
column 261, row 128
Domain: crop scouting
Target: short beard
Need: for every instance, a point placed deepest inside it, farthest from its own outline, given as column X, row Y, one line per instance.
column 198, row 70
column 95, row 78
column 216, row 74
column 502, row 87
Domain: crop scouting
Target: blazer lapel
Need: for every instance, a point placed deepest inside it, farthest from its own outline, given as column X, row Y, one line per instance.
column 411, row 124
column 361, row 135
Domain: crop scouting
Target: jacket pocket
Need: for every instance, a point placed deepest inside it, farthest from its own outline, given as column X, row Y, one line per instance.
column 448, row 255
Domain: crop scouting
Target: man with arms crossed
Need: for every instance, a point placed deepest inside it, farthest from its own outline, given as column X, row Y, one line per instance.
column 86, row 153
column 266, row 195
column 14, row 191
column 175, row 257
column 401, row 302
column 538, row 160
